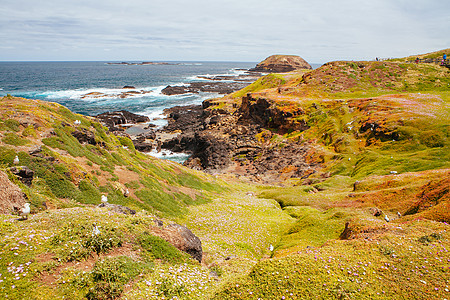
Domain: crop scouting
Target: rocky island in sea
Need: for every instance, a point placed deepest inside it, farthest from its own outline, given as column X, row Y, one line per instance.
column 330, row 183
column 144, row 63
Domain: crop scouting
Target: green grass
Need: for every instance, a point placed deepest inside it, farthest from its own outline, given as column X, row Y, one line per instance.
column 158, row 248
column 58, row 243
column 111, row 274
column 390, row 267
column 265, row 82
column 14, row 139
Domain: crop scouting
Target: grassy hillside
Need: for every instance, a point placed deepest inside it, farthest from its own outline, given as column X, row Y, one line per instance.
column 69, row 173
column 372, row 224
column 369, row 222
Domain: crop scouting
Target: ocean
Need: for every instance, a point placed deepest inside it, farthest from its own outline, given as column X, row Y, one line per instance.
column 77, row 85
column 68, row 83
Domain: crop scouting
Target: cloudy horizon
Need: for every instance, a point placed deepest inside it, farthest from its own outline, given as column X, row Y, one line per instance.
column 235, row 30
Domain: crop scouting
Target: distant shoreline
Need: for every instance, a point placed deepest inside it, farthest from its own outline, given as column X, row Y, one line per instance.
column 143, row 63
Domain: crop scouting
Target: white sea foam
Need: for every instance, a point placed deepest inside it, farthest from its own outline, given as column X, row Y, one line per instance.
column 191, row 64
column 231, row 72
column 238, row 72
column 169, row 155
column 102, row 93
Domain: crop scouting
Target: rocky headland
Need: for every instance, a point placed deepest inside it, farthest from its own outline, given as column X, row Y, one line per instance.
column 361, row 150
column 281, row 64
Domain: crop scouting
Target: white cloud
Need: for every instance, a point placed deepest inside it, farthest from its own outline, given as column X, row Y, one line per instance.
column 246, row 30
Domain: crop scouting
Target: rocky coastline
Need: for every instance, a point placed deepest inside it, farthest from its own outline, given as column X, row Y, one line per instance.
column 223, row 141
column 231, row 140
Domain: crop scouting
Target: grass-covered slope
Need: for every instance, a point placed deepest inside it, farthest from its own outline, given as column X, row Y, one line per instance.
column 370, row 221
column 373, row 222
column 55, row 255
column 75, row 164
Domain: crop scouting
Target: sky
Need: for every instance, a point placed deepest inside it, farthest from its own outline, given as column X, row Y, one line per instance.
column 224, row 30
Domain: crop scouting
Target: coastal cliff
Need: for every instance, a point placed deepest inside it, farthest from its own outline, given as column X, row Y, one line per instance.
column 330, row 183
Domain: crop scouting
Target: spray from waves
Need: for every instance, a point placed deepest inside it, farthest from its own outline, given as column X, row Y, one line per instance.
column 205, row 77
column 99, row 93
column 156, row 112
column 169, row 155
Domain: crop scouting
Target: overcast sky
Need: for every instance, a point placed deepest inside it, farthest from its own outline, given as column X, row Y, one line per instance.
column 224, row 30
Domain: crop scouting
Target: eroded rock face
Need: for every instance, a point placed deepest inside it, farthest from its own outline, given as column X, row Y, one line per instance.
column 222, row 141
column 11, row 196
column 281, row 64
column 84, row 136
column 24, row 174
column 265, row 113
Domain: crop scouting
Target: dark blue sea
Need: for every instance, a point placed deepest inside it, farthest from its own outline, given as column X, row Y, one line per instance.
column 77, row 85
column 70, row 83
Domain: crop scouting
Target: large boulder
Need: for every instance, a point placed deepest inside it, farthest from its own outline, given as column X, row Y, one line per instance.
column 181, row 238
column 281, row 64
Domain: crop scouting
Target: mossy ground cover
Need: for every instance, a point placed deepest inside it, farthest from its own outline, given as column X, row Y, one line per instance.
column 56, row 254
column 380, row 132
column 69, row 173
column 395, row 265
column 237, row 230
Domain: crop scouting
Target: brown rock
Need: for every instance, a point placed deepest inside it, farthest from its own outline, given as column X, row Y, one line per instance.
column 84, row 136
column 11, row 196
column 181, row 238
column 281, row 64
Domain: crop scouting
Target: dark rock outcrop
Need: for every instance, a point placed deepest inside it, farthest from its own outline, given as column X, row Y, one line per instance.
column 142, row 146
column 140, row 143
column 84, row 136
column 219, row 87
column 222, row 141
column 281, row 64
column 149, row 135
column 268, row 114
column 111, row 119
column 185, row 118
column 24, row 174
